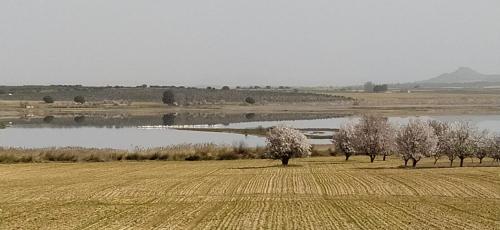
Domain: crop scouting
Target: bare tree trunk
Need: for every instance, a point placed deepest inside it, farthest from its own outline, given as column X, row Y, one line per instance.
column 436, row 161
column 406, row 162
column 372, row 158
column 461, row 161
column 347, row 156
column 284, row 161
column 384, row 157
column 451, row 163
column 480, row 160
column 414, row 163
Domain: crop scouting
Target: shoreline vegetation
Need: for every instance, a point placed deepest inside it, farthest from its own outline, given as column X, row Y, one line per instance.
column 189, row 152
column 12, row 109
column 29, row 101
column 182, row 152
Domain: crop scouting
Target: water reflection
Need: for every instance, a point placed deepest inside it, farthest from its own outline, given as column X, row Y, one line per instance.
column 79, row 119
column 125, row 138
column 48, row 119
column 121, row 121
column 250, row 116
column 100, row 131
column 169, row 119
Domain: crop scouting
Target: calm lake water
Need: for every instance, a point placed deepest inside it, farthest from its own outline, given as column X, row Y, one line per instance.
column 98, row 133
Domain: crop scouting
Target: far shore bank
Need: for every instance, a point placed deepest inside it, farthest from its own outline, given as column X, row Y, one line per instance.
column 13, row 109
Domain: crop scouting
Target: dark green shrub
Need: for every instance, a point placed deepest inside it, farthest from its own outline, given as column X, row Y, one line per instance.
column 79, row 99
column 48, row 99
column 168, row 97
column 250, row 100
column 380, row 88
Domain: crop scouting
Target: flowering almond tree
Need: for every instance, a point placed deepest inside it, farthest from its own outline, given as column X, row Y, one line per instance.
column 284, row 143
column 415, row 141
column 345, row 139
column 461, row 141
column 374, row 135
column 495, row 149
column 440, row 129
column 486, row 145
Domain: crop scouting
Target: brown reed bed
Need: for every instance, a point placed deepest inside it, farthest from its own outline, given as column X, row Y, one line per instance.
column 189, row 152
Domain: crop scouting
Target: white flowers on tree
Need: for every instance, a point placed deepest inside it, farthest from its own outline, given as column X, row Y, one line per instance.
column 284, row 143
column 416, row 140
column 374, row 135
column 440, row 129
column 486, row 145
column 460, row 141
column 345, row 139
column 495, row 149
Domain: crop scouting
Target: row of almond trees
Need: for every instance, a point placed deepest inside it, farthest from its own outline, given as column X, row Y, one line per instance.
column 373, row 135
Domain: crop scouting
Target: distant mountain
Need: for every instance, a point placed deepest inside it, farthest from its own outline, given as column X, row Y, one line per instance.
column 462, row 75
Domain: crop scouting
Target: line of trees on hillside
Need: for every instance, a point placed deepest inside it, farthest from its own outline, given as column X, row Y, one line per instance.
column 184, row 96
column 78, row 99
column 373, row 136
column 369, row 87
column 171, row 97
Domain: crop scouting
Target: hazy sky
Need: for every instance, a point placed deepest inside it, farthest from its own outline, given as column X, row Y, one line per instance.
column 251, row 42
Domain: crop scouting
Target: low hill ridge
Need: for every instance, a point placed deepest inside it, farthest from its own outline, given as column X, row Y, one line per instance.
column 463, row 75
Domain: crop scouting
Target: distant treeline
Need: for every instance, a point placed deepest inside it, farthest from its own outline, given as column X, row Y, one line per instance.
column 183, row 95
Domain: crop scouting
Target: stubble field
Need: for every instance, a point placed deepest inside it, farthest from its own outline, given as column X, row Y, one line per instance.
column 312, row 193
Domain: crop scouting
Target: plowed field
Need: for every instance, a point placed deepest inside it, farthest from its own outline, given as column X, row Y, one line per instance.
column 313, row 193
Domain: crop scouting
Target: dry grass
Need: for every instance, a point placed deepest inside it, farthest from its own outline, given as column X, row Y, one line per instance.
column 191, row 152
column 438, row 102
column 434, row 98
column 313, row 193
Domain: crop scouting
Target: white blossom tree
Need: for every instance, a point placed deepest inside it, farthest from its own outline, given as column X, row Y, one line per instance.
column 487, row 146
column 284, row 143
column 345, row 139
column 374, row 135
column 415, row 141
column 495, row 151
column 460, row 141
column 440, row 129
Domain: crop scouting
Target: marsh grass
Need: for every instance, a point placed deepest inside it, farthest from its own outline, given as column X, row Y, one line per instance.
column 189, row 152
